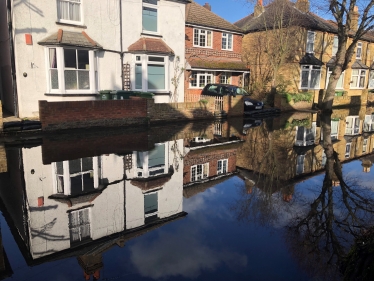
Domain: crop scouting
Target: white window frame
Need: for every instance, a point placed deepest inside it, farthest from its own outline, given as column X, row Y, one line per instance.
column 155, row 7
column 359, row 50
column 93, row 73
column 304, row 141
column 371, row 79
column 225, row 78
column 195, row 176
column 81, row 224
column 197, row 76
column 348, row 147
column 310, row 39
column 155, row 212
column 355, row 125
column 340, row 84
column 369, row 123
column 222, row 166
column 310, row 69
column 300, row 161
column 335, row 45
column 66, row 176
column 69, row 21
column 227, row 41
column 144, row 61
column 361, row 73
column 202, row 32
column 364, row 145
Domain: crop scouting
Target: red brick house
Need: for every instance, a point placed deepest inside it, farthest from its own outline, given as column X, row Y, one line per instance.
column 213, row 50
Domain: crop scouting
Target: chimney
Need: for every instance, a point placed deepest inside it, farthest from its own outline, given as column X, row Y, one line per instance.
column 207, row 6
column 303, row 5
column 259, row 8
column 354, row 18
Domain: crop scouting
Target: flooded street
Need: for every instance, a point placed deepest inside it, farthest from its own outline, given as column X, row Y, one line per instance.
column 283, row 198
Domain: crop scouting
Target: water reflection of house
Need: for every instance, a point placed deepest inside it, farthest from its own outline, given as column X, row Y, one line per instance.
column 82, row 207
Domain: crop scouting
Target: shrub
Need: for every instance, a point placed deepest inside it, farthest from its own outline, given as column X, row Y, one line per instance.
column 298, row 97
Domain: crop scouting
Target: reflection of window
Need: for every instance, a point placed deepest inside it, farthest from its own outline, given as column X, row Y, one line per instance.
column 150, row 73
column 69, row 10
column 371, row 79
column 149, row 15
column 199, row 171
column 79, row 225
column 340, row 84
column 310, row 42
column 200, row 79
column 352, row 125
column 334, row 129
column 324, row 158
column 300, row 164
column 335, row 45
column 310, row 76
column 305, row 136
column 71, row 70
column 226, row 41
column 74, row 177
column 151, row 163
column 347, row 150
column 150, row 204
column 359, row 50
column 202, row 38
column 222, row 167
column 358, row 78
column 364, row 145
column 225, row 78
column 369, row 123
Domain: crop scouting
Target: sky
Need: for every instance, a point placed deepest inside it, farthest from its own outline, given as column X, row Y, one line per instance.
column 230, row 10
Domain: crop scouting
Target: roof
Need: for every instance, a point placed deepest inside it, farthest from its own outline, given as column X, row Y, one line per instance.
column 218, row 64
column 151, row 45
column 79, row 39
column 291, row 16
column 199, row 15
column 359, row 65
column 310, row 59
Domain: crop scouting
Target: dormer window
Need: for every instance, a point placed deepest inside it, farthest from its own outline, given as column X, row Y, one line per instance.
column 226, row 41
column 359, row 50
column 202, row 38
column 69, row 11
column 310, row 42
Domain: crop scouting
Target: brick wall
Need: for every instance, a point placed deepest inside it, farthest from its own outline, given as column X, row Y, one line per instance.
column 281, row 102
column 1, row 117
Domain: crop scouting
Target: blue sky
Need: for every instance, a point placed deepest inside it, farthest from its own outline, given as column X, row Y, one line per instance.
column 230, row 10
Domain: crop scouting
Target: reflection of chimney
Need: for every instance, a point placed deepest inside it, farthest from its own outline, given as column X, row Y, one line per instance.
column 287, row 197
column 207, row 6
column 259, row 8
column 366, row 163
column 354, row 19
column 303, row 5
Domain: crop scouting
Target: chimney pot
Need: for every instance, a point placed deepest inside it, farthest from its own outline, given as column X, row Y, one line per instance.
column 207, row 6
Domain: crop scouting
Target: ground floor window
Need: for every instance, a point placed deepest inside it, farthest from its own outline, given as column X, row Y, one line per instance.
column 353, row 125
column 79, row 225
column 340, row 84
column 358, row 78
column 310, row 77
column 199, row 79
column 222, row 166
column 369, row 123
column 371, row 79
column 305, row 136
column 200, row 171
column 225, row 78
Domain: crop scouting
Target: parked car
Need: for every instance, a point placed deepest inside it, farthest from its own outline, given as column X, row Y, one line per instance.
column 220, row 90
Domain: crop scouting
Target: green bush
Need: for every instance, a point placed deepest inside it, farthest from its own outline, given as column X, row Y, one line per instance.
column 298, row 97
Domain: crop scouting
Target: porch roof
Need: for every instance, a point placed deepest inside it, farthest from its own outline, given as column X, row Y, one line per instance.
column 69, row 38
column 150, row 45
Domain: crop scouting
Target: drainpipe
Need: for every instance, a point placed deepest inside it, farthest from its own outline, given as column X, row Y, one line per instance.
column 121, row 44
column 12, row 59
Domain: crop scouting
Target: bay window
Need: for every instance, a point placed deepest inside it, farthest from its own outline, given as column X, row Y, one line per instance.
column 71, row 71
column 202, row 38
column 310, row 76
column 151, row 73
column 199, row 79
column 352, row 125
column 149, row 15
column 340, row 84
column 371, row 79
column 358, row 78
column 226, row 41
column 69, row 11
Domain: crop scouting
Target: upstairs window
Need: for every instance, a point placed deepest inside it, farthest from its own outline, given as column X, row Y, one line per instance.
column 359, row 50
column 226, row 41
column 310, row 76
column 310, row 42
column 335, row 45
column 149, row 16
column 202, row 38
column 69, row 11
column 358, row 78
column 79, row 225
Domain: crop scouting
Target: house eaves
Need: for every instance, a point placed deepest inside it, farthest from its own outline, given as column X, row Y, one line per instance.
column 69, row 38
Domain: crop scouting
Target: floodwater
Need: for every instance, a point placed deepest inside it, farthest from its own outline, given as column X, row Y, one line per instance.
column 280, row 198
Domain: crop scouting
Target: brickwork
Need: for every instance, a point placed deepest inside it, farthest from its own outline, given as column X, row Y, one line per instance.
column 1, row 117
column 3, row 160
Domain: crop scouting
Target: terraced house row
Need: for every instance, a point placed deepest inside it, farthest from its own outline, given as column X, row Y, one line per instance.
column 70, row 50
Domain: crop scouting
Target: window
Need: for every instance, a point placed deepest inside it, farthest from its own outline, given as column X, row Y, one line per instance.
column 150, row 204
column 359, row 50
column 225, row 78
column 150, row 73
column 300, row 164
column 352, row 125
column 334, row 129
column 364, row 145
column 358, row 78
column 310, row 76
column 369, row 123
column 371, row 79
column 200, row 79
column 340, row 84
column 149, row 16
column 151, row 163
column 305, row 136
column 335, row 45
column 71, row 71
column 69, row 11
column 75, row 177
column 347, row 150
column 202, row 38
column 222, row 167
column 310, row 42
column 199, row 172
column 79, row 225
column 324, row 158
column 226, row 41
